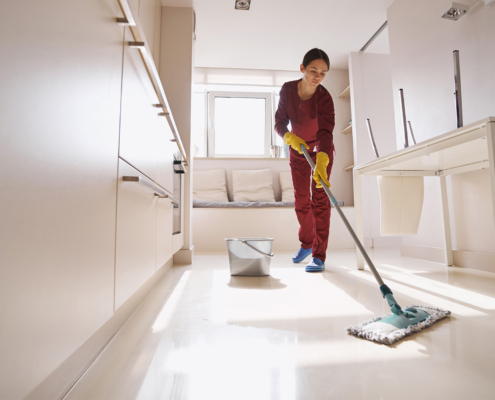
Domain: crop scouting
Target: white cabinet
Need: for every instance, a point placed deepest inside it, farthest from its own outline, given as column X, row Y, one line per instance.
column 164, row 228
column 136, row 234
column 165, row 149
column 60, row 80
column 147, row 17
column 144, row 232
column 144, row 136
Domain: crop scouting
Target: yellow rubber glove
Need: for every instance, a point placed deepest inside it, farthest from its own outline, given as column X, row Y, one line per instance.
column 294, row 141
column 321, row 169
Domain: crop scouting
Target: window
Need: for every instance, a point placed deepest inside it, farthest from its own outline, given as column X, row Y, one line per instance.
column 239, row 108
column 239, row 124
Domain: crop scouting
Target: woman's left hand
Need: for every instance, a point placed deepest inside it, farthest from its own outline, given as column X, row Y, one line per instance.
column 320, row 173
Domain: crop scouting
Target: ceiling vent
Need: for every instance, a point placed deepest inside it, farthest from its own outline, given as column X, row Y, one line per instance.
column 242, row 4
column 456, row 11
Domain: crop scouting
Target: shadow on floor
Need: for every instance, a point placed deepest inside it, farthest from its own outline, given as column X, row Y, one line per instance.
column 256, row 282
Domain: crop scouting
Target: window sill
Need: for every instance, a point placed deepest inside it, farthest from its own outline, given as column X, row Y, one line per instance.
column 243, row 158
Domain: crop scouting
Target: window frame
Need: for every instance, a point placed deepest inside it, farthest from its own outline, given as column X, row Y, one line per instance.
column 211, row 95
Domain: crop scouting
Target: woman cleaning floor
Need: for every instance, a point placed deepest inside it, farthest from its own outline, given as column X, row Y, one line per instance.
column 309, row 108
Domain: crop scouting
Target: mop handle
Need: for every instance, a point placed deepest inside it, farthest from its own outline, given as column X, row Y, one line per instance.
column 333, row 200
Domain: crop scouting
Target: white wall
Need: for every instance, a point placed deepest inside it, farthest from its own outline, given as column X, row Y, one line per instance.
column 421, row 46
column 371, row 97
column 213, row 225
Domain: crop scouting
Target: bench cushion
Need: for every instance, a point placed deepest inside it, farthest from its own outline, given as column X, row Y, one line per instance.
column 287, row 186
column 253, row 185
column 210, row 185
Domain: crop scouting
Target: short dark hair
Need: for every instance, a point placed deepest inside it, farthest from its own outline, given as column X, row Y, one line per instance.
column 315, row 54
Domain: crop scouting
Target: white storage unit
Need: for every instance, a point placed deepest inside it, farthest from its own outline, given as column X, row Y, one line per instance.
column 144, row 232
column 145, row 137
column 77, row 241
column 164, row 229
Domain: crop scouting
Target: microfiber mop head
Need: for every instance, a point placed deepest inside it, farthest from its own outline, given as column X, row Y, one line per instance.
column 391, row 328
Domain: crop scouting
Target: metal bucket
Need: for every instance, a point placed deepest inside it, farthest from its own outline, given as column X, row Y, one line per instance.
column 250, row 256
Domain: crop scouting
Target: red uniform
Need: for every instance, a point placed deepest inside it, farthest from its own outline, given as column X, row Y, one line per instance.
column 313, row 121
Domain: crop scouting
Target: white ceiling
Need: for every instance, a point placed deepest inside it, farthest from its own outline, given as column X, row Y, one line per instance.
column 275, row 34
column 177, row 3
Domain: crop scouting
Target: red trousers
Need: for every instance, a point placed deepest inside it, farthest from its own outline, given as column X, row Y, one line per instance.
column 312, row 206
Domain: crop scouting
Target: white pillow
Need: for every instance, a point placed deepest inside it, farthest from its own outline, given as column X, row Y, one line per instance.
column 210, row 185
column 287, row 186
column 253, row 185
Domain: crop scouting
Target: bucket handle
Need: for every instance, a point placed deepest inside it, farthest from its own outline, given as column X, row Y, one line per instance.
column 259, row 251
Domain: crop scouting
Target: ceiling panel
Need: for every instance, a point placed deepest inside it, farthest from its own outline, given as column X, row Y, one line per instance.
column 276, row 34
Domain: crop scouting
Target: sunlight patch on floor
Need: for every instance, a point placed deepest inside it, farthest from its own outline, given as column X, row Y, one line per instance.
column 312, row 297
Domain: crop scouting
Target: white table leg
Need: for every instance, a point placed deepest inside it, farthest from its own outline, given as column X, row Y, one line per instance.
column 490, row 137
column 449, row 255
column 358, row 209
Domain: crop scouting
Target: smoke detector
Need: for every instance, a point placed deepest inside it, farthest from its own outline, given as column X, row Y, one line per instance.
column 456, row 11
column 242, row 4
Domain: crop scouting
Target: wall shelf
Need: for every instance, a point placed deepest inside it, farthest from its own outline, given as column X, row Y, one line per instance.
column 346, row 93
column 349, row 168
column 347, row 130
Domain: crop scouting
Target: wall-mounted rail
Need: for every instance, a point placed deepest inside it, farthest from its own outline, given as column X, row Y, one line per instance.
column 141, row 43
column 372, row 138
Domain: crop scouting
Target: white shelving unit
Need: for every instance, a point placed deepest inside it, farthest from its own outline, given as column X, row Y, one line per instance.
column 347, row 130
column 346, row 93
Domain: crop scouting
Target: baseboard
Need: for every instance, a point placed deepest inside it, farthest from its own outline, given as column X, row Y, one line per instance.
column 184, row 256
column 383, row 242
column 462, row 259
column 470, row 259
column 59, row 383
column 423, row 253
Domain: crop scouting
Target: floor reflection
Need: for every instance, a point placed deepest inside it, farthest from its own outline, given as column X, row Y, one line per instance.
column 203, row 334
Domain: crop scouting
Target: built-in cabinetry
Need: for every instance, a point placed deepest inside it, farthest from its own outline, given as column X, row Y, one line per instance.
column 145, row 137
column 144, row 231
column 80, row 246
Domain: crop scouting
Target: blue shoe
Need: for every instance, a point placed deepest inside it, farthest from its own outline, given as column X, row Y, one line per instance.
column 315, row 265
column 301, row 255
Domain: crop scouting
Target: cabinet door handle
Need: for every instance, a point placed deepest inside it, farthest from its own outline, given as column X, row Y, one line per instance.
column 138, row 179
column 168, row 197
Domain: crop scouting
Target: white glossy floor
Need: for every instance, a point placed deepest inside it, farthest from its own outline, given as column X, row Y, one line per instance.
column 203, row 334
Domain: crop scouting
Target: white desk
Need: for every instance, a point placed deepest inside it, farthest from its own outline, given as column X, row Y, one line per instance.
column 469, row 148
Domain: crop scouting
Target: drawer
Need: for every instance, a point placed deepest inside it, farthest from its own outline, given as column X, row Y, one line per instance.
column 136, row 241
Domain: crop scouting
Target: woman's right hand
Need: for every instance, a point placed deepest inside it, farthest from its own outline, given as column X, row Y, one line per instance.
column 295, row 142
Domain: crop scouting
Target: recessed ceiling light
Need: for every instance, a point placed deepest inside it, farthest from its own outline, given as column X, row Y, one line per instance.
column 456, row 11
column 242, row 4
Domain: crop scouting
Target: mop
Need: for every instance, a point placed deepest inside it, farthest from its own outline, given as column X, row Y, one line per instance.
column 389, row 328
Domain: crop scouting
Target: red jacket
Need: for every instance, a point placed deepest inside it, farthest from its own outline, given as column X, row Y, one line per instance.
column 312, row 120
